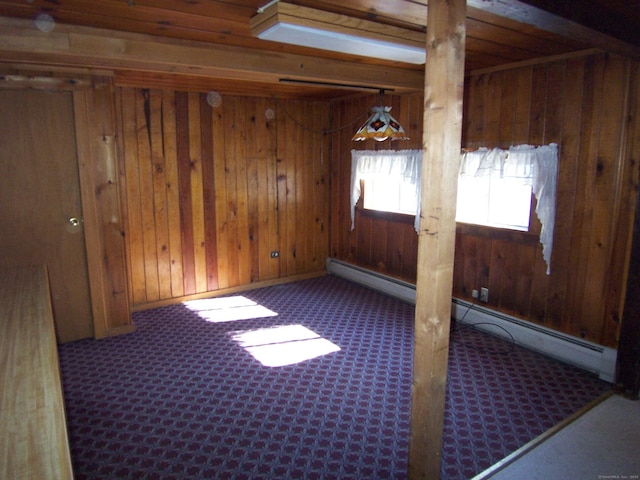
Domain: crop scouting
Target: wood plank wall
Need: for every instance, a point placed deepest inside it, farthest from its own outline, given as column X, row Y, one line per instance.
column 588, row 106
column 211, row 192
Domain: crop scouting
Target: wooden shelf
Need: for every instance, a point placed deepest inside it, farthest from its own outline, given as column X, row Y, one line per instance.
column 33, row 433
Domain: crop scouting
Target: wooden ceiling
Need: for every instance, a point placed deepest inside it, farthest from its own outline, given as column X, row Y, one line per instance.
column 141, row 33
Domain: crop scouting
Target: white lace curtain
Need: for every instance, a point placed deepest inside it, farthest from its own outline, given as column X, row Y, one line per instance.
column 405, row 164
column 535, row 166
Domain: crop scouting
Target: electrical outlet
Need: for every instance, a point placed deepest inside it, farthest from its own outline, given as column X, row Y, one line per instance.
column 474, row 293
column 484, row 294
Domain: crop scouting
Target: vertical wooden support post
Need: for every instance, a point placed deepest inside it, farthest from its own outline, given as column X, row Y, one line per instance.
column 444, row 84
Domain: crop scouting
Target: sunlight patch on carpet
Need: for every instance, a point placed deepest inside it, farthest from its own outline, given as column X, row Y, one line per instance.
column 284, row 345
column 228, row 309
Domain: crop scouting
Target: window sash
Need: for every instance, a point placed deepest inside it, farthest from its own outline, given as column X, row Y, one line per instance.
column 494, row 202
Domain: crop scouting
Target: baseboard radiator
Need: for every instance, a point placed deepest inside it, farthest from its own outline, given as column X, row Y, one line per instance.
column 566, row 348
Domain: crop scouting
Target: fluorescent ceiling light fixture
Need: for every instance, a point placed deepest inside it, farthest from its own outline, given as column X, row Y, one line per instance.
column 293, row 24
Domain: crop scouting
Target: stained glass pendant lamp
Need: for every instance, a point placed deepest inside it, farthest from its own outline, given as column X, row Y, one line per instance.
column 380, row 126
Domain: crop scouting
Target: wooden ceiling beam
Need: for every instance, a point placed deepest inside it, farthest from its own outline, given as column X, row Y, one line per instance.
column 512, row 37
column 618, row 18
column 522, row 12
column 138, row 18
column 408, row 14
column 21, row 42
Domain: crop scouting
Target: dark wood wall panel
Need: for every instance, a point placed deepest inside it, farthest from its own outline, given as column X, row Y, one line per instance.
column 211, row 192
column 581, row 104
column 588, row 106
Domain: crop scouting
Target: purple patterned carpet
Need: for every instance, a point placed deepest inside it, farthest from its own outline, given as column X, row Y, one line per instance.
column 308, row 380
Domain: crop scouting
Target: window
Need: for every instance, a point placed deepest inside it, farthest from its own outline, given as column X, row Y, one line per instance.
column 391, row 178
column 494, row 203
column 385, row 194
column 494, row 188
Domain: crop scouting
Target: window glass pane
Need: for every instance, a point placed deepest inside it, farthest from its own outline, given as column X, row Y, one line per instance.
column 502, row 203
column 473, row 200
column 388, row 194
column 509, row 204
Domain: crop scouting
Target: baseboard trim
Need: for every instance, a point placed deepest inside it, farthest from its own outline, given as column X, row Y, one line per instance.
column 566, row 348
